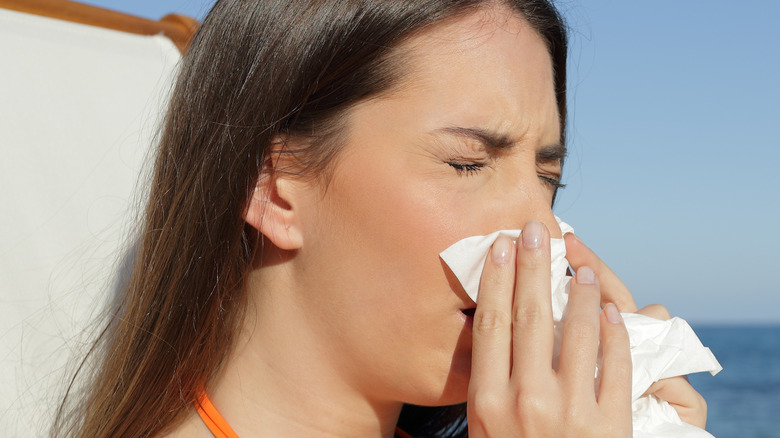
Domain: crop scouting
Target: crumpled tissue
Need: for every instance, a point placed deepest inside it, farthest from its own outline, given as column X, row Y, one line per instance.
column 659, row 349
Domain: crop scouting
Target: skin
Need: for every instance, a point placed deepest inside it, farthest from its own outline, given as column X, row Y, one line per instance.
column 353, row 313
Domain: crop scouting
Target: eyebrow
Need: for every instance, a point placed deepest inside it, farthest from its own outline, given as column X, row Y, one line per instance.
column 553, row 152
column 492, row 140
column 497, row 142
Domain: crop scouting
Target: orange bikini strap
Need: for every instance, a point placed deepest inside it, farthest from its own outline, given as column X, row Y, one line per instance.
column 221, row 429
column 214, row 421
column 401, row 434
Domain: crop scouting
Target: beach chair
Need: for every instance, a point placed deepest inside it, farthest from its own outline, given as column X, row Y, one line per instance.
column 82, row 90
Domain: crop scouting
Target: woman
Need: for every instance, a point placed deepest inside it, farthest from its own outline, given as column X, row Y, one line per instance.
column 316, row 158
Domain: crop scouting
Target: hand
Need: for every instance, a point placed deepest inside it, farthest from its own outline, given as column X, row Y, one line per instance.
column 514, row 391
column 676, row 391
column 689, row 404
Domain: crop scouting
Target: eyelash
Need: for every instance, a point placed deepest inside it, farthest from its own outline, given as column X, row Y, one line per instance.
column 472, row 168
column 554, row 182
column 467, row 169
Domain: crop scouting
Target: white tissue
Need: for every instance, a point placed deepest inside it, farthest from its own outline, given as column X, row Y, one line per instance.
column 659, row 349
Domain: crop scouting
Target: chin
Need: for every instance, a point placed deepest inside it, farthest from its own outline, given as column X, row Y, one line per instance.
column 449, row 388
column 456, row 388
column 453, row 393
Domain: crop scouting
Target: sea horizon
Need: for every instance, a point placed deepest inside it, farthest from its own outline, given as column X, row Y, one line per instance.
column 744, row 399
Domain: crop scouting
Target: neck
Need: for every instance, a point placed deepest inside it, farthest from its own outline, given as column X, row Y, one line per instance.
column 281, row 378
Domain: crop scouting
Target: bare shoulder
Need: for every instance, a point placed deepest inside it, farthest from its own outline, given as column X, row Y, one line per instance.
column 192, row 427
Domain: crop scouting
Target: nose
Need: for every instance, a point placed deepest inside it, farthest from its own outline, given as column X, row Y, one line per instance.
column 546, row 217
column 534, row 204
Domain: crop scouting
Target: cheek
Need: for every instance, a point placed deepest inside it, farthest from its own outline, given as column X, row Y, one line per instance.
column 387, row 227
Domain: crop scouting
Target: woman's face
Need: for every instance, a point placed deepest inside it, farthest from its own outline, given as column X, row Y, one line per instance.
column 466, row 145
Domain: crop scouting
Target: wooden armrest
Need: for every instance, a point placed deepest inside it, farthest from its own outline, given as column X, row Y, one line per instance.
column 179, row 28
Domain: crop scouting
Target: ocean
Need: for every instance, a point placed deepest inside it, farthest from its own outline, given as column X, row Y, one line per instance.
column 744, row 399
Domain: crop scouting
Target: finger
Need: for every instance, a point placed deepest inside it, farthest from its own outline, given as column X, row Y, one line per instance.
column 492, row 333
column 615, row 386
column 689, row 404
column 612, row 288
column 580, row 343
column 532, row 325
column 656, row 311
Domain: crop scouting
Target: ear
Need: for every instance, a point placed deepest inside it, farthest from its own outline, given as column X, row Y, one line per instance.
column 271, row 209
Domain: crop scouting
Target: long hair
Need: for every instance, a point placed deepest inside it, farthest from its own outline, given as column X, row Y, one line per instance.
column 256, row 69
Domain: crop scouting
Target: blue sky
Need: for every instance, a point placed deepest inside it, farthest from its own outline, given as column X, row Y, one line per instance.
column 674, row 146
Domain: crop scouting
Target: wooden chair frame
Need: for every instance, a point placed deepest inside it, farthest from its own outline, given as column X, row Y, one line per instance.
column 178, row 28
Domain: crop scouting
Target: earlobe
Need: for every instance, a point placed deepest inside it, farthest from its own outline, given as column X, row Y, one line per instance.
column 270, row 211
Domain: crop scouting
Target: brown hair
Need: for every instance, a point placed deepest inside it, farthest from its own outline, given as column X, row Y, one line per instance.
column 256, row 69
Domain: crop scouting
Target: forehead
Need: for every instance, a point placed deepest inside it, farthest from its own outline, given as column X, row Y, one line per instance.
column 488, row 68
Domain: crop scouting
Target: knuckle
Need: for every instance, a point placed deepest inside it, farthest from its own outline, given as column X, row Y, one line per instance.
column 486, row 403
column 527, row 314
column 658, row 311
column 579, row 329
column 531, row 406
column 489, row 320
column 617, row 334
column 576, row 419
column 498, row 279
column 701, row 403
column 621, row 369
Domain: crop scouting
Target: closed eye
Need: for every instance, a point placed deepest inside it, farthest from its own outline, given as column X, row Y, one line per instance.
column 466, row 168
column 552, row 182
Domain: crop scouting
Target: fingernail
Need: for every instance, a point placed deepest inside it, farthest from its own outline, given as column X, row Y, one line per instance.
column 532, row 234
column 501, row 248
column 612, row 314
column 585, row 275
